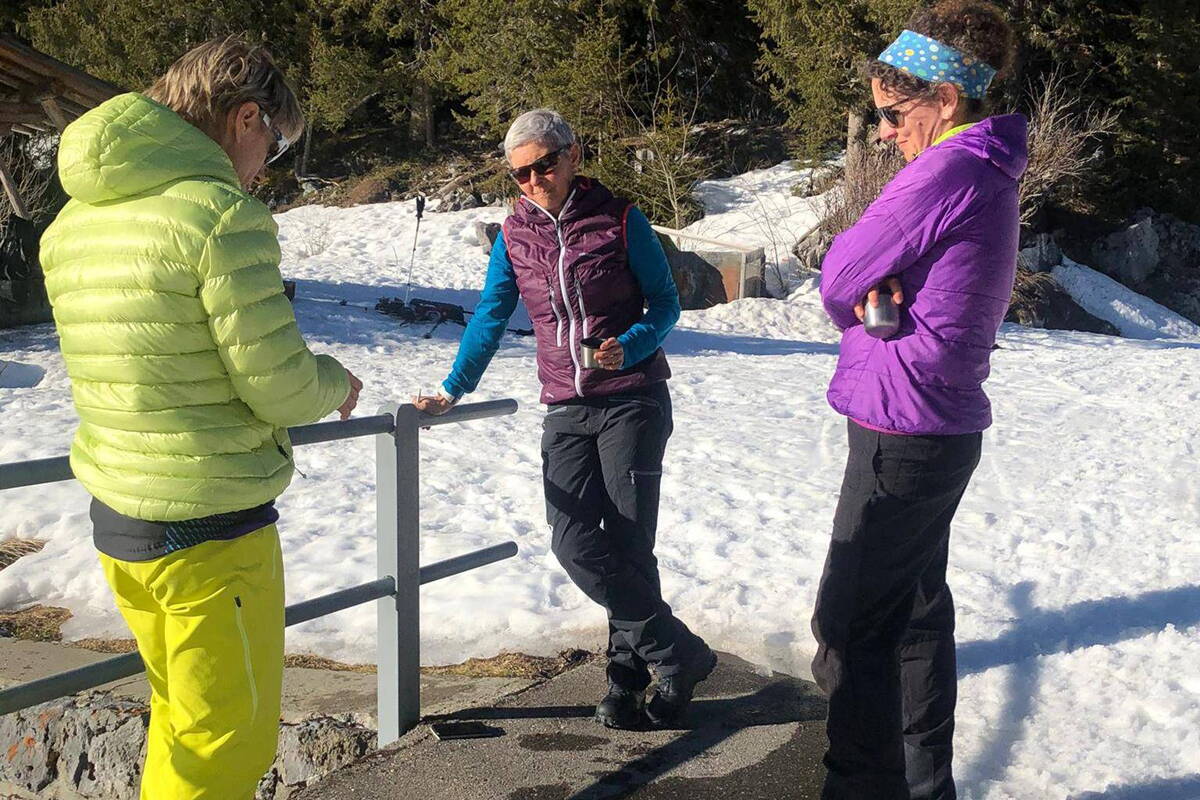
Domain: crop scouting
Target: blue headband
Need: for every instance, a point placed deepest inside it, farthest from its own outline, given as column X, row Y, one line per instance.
column 932, row 61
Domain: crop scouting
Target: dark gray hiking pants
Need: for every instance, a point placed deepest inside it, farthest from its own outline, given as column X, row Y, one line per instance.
column 602, row 467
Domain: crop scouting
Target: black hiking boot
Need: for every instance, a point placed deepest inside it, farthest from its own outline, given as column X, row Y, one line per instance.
column 674, row 692
column 621, row 708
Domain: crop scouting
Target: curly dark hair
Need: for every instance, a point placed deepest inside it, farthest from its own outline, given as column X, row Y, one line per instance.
column 977, row 29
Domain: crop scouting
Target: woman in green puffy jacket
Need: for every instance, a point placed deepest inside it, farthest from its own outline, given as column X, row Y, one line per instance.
column 187, row 368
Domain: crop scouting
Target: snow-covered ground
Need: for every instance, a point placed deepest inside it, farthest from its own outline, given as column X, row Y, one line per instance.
column 1075, row 557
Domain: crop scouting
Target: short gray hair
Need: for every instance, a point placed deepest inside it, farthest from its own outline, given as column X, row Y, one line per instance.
column 542, row 125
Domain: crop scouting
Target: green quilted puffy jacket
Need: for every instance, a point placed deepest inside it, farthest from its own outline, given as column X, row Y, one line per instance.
column 185, row 361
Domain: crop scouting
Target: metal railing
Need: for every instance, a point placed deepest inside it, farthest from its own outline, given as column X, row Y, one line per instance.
column 396, row 429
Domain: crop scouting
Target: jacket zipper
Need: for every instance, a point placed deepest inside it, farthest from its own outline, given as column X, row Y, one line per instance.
column 562, row 286
column 582, row 310
column 557, row 316
column 241, row 626
column 285, row 455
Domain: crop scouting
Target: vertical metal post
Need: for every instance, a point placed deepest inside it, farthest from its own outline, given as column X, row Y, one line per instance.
column 398, row 554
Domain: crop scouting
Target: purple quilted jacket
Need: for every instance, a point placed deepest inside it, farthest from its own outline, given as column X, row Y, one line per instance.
column 573, row 274
column 947, row 225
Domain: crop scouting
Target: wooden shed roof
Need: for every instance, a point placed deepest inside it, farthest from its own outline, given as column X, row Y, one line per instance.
column 40, row 94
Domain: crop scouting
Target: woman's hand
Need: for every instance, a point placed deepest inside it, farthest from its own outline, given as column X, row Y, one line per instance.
column 889, row 284
column 610, row 355
column 435, row 405
column 352, row 398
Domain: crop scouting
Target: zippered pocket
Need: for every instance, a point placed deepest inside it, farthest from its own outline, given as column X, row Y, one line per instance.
column 557, row 316
column 241, row 626
column 286, row 455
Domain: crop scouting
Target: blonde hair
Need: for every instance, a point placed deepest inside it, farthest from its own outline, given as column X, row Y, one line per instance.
column 221, row 74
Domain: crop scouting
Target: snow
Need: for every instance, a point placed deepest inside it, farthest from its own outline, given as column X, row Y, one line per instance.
column 758, row 209
column 1135, row 316
column 1074, row 562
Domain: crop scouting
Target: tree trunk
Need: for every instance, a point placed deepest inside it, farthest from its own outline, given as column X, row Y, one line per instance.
column 856, row 140
column 302, row 164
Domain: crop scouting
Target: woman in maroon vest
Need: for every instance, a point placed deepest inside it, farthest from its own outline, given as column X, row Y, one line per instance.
column 588, row 266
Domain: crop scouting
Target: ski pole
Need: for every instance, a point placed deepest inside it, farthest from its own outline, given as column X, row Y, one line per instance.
column 412, row 259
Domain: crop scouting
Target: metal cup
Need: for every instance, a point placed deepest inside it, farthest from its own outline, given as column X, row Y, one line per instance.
column 589, row 347
column 883, row 320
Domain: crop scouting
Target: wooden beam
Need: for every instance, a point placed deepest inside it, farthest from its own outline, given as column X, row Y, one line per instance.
column 41, row 64
column 10, row 189
column 26, row 130
column 55, row 113
column 16, row 69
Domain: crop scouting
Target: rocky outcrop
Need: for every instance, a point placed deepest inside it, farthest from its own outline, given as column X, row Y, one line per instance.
column 92, row 746
column 1157, row 255
column 89, row 746
column 1040, row 302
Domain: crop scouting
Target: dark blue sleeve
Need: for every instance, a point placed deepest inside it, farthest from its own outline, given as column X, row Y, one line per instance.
column 486, row 328
column 653, row 273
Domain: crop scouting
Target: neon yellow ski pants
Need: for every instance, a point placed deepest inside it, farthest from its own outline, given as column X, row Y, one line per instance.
column 209, row 624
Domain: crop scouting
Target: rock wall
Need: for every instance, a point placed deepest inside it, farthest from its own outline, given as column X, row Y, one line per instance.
column 91, row 747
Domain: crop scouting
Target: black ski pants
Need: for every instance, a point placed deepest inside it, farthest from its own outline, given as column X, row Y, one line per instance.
column 884, row 618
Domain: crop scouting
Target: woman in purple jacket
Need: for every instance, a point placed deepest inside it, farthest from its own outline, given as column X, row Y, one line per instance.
column 942, row 240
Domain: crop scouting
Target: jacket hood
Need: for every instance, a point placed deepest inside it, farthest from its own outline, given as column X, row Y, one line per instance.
column 130, row 145
column 1002, row 140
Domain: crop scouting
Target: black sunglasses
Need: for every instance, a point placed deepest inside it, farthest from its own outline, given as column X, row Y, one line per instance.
column 890, row 114
column 543, row 166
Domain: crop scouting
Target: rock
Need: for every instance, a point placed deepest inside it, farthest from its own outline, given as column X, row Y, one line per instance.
column 810, row 251
column 458, row 200
column 93, row 746
column 314, row 748
column 1042, row 256
column 1039, row 302
column 1130, row 255
column 485, row 234
column 1178, row 241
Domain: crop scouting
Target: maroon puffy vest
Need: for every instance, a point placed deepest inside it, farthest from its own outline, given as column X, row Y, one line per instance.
column 573, row 274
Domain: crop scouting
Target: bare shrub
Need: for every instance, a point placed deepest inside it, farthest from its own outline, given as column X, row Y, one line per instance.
column 314, row 240
column 31, row 163
column 1029, row 296
column 1063, row 142
column 868, row 170
column 657, row 162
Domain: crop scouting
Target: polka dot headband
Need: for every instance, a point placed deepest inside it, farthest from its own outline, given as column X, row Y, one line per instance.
column 932, row 61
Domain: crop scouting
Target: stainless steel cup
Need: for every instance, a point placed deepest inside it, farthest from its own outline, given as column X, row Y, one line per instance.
column 883, row 320
column 589, row 347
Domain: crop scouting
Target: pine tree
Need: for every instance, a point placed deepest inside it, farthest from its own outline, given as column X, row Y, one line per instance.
column 131, row 42
column 812, row 53
column 1141, row 58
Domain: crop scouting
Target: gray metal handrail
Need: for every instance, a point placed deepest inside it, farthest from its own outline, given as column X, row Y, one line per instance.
column 396, row 428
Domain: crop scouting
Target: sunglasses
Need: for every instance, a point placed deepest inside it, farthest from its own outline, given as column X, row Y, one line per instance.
column 281, row 143
column 543, row 166
column 890, row 114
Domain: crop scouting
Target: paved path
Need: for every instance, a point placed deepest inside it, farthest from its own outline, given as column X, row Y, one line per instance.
column 746, row 737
